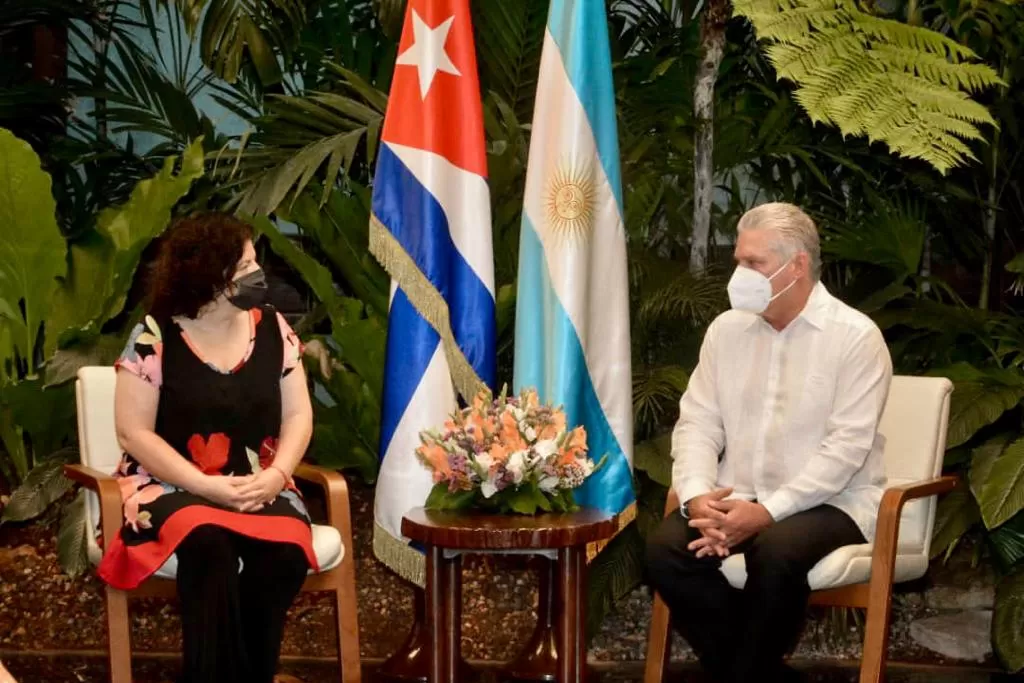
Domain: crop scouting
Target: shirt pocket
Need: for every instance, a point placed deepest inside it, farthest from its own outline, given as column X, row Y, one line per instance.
column 815, row 404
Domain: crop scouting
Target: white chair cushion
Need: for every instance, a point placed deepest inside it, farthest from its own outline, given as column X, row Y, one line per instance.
column 327, row 546
column 846, row 566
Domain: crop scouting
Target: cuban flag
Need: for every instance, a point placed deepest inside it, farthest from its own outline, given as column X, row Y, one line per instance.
column 431, row 229
column 572, row 311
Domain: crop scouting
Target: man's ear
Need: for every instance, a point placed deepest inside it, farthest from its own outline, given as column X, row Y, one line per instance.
column 803, row 264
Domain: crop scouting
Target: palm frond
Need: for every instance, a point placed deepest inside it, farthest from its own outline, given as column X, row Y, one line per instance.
column 509, row 39
column 235, row 32
column 317, row 135
column 906, row 86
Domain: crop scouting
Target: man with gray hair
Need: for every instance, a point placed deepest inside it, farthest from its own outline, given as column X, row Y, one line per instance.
column 776, row 453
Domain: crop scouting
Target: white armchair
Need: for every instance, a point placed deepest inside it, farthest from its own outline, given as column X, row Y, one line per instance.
column 914, row 426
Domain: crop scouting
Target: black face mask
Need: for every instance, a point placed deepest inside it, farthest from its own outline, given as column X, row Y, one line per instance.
column 250, row 290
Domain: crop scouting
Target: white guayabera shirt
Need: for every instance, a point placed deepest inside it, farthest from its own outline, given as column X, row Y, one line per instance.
column 788, row 418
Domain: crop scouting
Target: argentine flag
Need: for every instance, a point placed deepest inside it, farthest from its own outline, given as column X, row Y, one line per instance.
column 572, row 311
column 431, row 229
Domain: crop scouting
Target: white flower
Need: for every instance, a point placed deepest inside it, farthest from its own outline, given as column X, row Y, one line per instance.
column 529, row 432
column 488, row 488
column 485, row 461
column 545, row 448
column 516, row 465
column 519, row 414
column 548, row 484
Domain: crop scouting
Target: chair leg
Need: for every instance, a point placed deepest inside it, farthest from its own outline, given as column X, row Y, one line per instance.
column 119, row 637
column 659, row 643
column 346, row 613
column 876, row 634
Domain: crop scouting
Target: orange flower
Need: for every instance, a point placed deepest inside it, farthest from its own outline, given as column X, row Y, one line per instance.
column 553, row 428
column 499, row 453
column 575, row 446
column 510, row 436
column 531, row 398
column 437, row 457
column 483, row 427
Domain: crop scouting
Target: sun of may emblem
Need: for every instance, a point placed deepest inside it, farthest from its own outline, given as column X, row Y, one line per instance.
column 570, row 203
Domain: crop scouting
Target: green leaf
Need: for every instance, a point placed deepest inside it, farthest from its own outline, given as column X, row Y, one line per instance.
column 65, row 364
column 655, row 458
column 32, row 249
column 44, row 484
column 522, row 500
column 1007, row 634
column 978, row 404
column 334, row 445
column 72, row 540
column 315, row 275
column 982, row 459
column 46, row 416
column 1003, row 494
column 956, row 514
column 14, row 443
column 1008, row 542
column 103, row 265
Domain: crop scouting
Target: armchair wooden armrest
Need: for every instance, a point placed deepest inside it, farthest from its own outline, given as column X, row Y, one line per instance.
column 335, row 490
column 883, row 563
column 109, row 492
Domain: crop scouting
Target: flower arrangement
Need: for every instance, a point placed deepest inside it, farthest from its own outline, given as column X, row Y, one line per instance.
column 509, row 454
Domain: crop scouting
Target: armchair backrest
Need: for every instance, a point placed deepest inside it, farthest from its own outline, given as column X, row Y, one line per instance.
column 914, row 425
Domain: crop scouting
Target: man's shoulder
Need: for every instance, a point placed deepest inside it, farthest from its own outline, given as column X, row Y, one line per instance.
column 851, row 319
column 732, row 319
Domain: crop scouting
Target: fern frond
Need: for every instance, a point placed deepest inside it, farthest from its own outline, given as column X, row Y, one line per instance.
column 903, row 85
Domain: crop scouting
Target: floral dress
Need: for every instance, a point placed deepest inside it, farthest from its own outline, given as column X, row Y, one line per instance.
column 225, row 423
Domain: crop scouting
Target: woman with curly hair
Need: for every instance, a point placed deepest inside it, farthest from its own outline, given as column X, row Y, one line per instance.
column 213, row 413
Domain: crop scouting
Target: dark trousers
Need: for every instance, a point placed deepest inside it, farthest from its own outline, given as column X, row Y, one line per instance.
column 232, row 622
column 742, row 636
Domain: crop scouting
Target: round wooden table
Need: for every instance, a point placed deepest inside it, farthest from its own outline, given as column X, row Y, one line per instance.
column 566, row 533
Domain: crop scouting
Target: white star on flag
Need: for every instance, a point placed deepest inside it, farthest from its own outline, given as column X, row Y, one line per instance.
column 427, row 52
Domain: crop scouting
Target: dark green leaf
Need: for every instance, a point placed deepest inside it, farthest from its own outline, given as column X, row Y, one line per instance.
column 1007, row 634
column 1003, row 494
column 655, row 458
column 957, row 512
column 71, row 538
column 44, row 484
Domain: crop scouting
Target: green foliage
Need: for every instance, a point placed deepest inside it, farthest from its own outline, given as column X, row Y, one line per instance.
column 524, row 499
column 72, row 537
column 43, row 486
column 1007, row 635
column 301, row 134
column 906, row 86
column 236, row 33
column 103, row 263
column 31, row 255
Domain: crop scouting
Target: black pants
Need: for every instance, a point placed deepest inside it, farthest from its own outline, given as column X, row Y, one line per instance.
column 232, row 622
column 742, row 636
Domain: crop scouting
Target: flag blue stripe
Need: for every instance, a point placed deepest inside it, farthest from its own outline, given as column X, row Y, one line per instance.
column 411, row 343
column 549, row 357
column 580, row 29
column 418, row 221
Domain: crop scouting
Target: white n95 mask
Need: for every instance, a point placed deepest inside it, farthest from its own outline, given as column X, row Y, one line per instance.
column 751, row 291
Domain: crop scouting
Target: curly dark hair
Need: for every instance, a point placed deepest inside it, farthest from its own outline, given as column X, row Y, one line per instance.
column 196, row 262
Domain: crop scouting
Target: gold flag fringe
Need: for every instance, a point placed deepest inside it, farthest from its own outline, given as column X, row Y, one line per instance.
column 625, row 517
column 427, row 301
column 399, row 556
